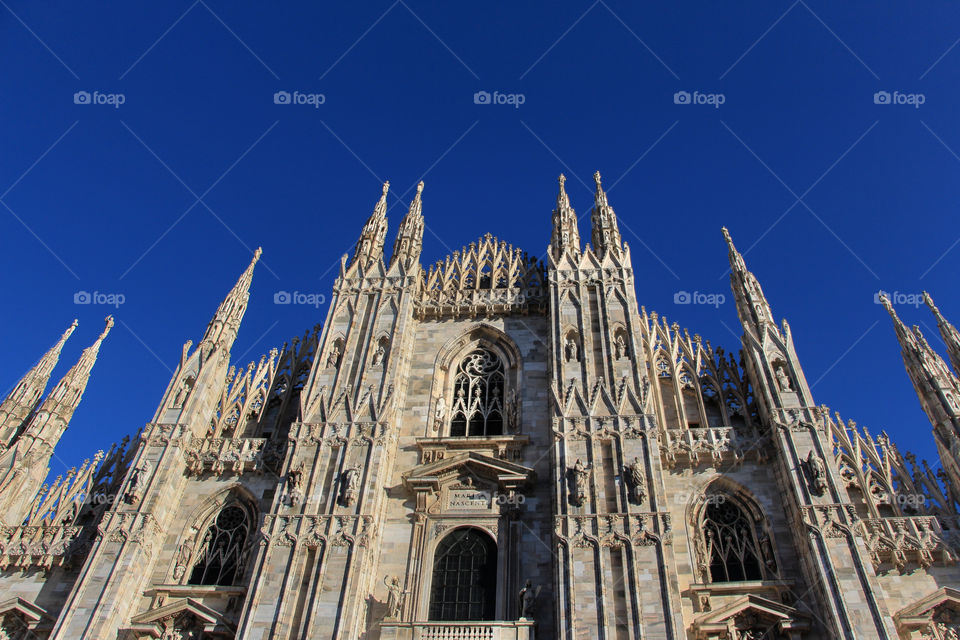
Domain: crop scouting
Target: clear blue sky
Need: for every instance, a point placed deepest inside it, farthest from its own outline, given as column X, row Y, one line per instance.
column 104, row 198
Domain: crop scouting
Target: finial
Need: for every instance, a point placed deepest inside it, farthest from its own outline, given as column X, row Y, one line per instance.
column 420, row 187
column 257, row 253
column 596, row 178
column 726, row 236
column 562, row 180
column 109, row 325
column 386, row 187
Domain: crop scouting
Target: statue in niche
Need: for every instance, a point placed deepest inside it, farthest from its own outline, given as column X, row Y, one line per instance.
column 581, row 477
column 379, row 355
column 186, row 386
column 184, row 555
column 571, row 351
column 395, row 596
column 818, row 474
column 528, row 598
column 138, row 482
column 637, row 480
column 440, row 413
column 513, row 411
column 333, row 360
column 783, row 379
column 351, row 483
column 619, row 348
column 294, row 483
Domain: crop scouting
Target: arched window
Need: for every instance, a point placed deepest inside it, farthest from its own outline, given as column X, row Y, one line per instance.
column 730, row 542
column 477, row 408
column 464, row 577
column 221, row 552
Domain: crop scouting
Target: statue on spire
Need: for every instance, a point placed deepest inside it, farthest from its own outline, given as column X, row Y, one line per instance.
column 566, row 235
column 606, row 233
column 370, row 244
column 409, row 242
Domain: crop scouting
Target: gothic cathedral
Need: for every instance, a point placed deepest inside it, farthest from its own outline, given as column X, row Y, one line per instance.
column 497, row 447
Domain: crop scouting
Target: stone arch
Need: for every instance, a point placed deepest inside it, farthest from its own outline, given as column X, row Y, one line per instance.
column 485, row 338
column 464, row 575
column 723, row 497
column 197, row 533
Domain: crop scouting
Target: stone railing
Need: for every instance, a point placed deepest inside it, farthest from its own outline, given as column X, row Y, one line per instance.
column 906, row 540
column 493, row 630
column 41, row 546
column 715, row 445
column 224, row 455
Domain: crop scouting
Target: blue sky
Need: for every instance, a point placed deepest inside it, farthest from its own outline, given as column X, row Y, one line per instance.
column 163, row 198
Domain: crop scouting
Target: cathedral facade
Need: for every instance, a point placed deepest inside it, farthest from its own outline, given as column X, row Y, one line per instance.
column 494, row 447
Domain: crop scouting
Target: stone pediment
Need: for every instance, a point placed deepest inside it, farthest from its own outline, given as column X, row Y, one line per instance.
column 507, row 476
column 33, row 616
column 750, row 611
column 931, row 609
column 154, row 623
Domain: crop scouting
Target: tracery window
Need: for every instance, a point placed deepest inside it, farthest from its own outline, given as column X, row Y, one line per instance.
column 464, row 577
column 222, row 551
column 730, row 543
column 477, row 408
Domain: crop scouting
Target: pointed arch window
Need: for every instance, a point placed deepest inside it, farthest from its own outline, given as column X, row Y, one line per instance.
column 730, row 542
column 464, row 577
column 222, row 550
column 477, row 408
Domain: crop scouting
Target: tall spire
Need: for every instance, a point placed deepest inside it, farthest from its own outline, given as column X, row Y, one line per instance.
column 605, row 232
column 225, row 323
column 752, row 305
column 948, row 332
column 937, row 388
column 409, row 242
column 25, row 397
column 566, row 235
column 370, row 244
column 57, row 408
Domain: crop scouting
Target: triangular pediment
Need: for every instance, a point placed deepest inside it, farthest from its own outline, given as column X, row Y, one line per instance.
column 153, row 621
column 922, row 610
column 431, row 476
column 31, row 613
column 769, row 612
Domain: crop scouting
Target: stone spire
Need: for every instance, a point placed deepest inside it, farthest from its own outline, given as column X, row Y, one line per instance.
column 16, row 409
column 937, row 388
column 948, row 332
column 370, row 244
column 54, row 414
column 409, row 242
column 606, row 233
column 566, row 236
column 752, row 305
column 223, row 328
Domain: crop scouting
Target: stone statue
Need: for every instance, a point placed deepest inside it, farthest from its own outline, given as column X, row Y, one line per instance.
column 333, row 359
column 378, row 355
column 581, row 476
column 783, row 379
column 513, row 411
column 184, row 554
column 294, row 482
column 637, row 480
column 440, row 414
column 619, row 348
column 138, row 483
column 186, row 385
column 528, row 598
column 395, row 595
column 351, row 483
column 571, row 351
column 818, row 474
